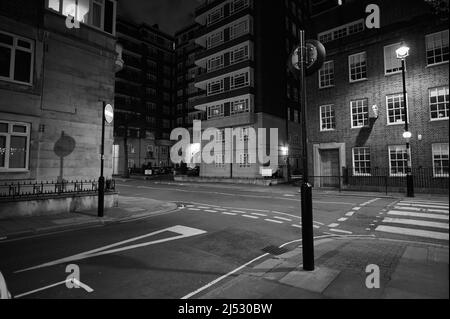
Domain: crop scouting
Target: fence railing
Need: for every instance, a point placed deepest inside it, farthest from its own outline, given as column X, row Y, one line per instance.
column 17, row 190
column 383, row 180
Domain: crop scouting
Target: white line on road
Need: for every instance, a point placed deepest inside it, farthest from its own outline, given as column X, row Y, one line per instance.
column 333, row 225
column 343, row 219
column 250, row 216
column 350, row 214
column 413, row 232
column 227, row 213
column 77, row 282
column 258, row 214
column 408, row 208
column 238, row 211
column 356, row 208
column 183, row 232
column 438, row 211
column 419, row 215
column 282, row 218
column 210, row 211
column 415, row 222
column 296, row 226
column 341, row 231
column 273, row 221
column 424, row 202
column 424, row 206
column 194, row 209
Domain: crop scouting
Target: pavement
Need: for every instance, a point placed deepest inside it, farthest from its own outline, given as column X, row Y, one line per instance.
column 345, row 268
column 129, row 209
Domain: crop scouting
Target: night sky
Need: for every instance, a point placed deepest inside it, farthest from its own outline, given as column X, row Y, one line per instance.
column 171, row 15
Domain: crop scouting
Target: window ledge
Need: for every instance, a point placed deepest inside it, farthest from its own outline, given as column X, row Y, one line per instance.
column 326, row 87
column 440, row 119
column 436, row 64
column 357, row 81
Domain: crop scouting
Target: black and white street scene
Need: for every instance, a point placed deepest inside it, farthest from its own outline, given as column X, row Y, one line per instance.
column 204, row 150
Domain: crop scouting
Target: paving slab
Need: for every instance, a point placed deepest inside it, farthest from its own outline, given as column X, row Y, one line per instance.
column 316, row 281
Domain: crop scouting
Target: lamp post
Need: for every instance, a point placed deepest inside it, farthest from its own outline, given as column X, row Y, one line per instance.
column 107, row 117
column 402, row 53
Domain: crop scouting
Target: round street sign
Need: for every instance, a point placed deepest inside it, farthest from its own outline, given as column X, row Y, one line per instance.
column 109, row 113
column 315, row 56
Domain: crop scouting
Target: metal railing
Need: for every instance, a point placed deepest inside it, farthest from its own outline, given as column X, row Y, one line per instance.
column 18, row 190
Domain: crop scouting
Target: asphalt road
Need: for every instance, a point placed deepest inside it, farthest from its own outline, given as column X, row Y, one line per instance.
column 214, row 231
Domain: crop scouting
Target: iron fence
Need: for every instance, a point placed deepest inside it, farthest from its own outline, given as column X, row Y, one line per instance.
column 17, row 190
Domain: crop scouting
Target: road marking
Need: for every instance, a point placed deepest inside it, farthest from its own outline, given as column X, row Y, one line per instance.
column 76, row 281
column 424, row 202
column 333, row 225
column 341, row 231
column 227, row 213
column 282, row 218
column 3, row 238
column 350, row 214
column 356, row 208
column 316, row 227
column 420, row 215
column 438, row 211
column 343, row 219
column 289, row 195
column 238, row 211
column 189, row 205
column 408, row 208
column 221, row 209
column 415, row 222
column 297, row 226
column 194, row 209
column 420, row 205
column 258, row 214
column 203, row 207
column 273, row 221
column 413, row 232
column 250, row 216
column 183, row 232
column 211, row 211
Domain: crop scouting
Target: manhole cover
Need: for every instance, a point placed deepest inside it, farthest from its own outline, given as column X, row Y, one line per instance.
column 274, row 250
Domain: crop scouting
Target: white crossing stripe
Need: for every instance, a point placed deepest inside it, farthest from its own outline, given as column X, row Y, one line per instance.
column 341, row 231
column 350, row 214
column 356, row 208
column 273, row 221
column 415, row 222
column 296, row 226
column 238, row 211
column 258, row 214
column 343, row 219
column 196, row 209
column 408, row 208
column 250, row 216
column 333, row 225
column 227, row 213
column 282, row 218
column 413, row 232
column 210, row 211
column 419, row 215
column 424, row 202
column 422, row 205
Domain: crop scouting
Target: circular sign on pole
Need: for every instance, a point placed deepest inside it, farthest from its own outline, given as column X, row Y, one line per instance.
column 315, row 57
column 109, row 113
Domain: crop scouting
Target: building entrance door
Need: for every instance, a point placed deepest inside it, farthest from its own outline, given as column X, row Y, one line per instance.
column 329, row 164
column 115, row 159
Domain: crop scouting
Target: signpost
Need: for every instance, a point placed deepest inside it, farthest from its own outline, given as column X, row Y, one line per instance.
column 107, row 117
column 306, row 60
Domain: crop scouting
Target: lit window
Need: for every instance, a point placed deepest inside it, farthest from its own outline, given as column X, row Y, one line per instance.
column 16, row 58
column 440, row 159
column 326, row 75
column 361, row 161
column 241, row 106
column 360, row 113
column 215, row 111
column 398, row 160
column 14, row 146
column 327, row 118
column 437, row 47
column 391, row 63
column 357, row 65
column 439, row 103
column 395, row 109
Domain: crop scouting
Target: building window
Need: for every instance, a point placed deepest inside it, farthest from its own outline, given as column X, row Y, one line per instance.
column 357, row 65
column 14, row 146
column 220, row 136
column 244, row 160
column 439, row 103
column 391, row 63
column 398, row 160
column 440, row 159
column 215, row 16
column 326, row 75
column 215, row 87
column 97, row 13
column 215, row 39
column 238, row 5
column 360, row 113
column 296, row 116
column 219, row 160
column 239, row 54
column 238, row 29
column 244, row 133
column 361, row 161
column 341, row 31
column 327, row 118
column 16, row 58
column 215, row 111
column 215, row 63
column 240, row 80
column 395, row 109
column 437, row 47
column 240, row 106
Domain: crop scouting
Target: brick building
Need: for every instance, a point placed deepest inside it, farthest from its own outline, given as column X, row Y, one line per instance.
column 355, row 103
column 144, row 97
column 53, row 80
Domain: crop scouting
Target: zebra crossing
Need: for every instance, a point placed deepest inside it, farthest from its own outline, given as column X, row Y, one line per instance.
column 417, row 218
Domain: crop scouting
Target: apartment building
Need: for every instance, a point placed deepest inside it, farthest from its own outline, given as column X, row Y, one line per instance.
column 355, row 103
column 244, row 75
column 144, row 98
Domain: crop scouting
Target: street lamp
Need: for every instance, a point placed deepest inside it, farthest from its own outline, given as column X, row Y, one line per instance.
column 402, row 53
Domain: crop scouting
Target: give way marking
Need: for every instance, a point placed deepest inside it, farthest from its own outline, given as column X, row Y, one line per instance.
column 182, row 231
